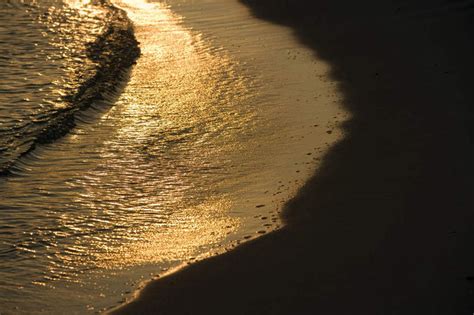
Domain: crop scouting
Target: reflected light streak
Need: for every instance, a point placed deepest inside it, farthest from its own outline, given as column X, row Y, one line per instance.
column 173, row 126
column 192, row 230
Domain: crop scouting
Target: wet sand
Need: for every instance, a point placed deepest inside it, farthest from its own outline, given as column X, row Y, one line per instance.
column 386, row 224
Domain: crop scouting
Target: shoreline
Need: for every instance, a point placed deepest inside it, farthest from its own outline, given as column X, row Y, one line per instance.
column 385, row 226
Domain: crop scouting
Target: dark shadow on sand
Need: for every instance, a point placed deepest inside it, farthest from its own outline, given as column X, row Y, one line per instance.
column 386, row 225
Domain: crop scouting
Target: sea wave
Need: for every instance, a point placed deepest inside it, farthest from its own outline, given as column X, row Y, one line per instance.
column 92, row 71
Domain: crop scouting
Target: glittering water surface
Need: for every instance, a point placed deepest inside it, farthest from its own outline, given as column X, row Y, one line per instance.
column 42, row 60
column 194, row 148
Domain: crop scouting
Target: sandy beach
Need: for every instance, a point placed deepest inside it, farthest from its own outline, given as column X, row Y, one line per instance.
column 386, row 224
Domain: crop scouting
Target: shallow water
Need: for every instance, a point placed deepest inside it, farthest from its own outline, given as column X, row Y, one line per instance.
column 43, row 60
column 195, row 150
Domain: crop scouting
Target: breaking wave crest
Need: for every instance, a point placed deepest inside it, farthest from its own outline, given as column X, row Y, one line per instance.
column 94, row 71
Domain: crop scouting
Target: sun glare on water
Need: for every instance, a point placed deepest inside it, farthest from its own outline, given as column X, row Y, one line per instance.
column 176, row 119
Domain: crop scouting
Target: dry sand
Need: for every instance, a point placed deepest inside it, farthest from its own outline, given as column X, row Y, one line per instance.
column 386, row 226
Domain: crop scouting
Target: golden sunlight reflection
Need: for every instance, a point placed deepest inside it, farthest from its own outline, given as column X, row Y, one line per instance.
column 170, row 134
column 71, row 27
column 78, row 4
column 191, row 232
column 193, row 151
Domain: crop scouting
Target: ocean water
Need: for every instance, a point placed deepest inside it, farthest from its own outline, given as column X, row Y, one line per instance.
column 137, row 136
